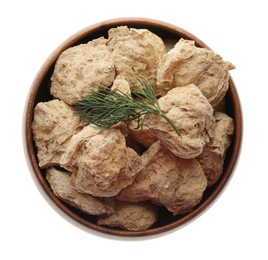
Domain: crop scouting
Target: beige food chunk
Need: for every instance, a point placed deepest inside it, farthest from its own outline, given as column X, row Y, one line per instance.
column 213, row 156
column 101, row 162
column 62, row 186
column 143, row 135
column 167, row 180
column 131, row 216
column 53, row 125
column 223, row 132
column 136, row 52
column 187, row 64
column 192, row 114
column 121, row 85
column 82, row 68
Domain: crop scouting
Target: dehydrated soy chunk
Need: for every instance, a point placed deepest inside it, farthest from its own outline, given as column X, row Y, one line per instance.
column 136, row 52
column 100, row 161
column 54, row 123
column 192, row 114
column 213, row 156
column 131, row 216
column 80, row 69
column 167, row 180
column 187, row 64
column 62, row 186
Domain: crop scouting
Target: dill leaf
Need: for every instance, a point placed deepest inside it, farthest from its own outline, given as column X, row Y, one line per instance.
column 106, row 107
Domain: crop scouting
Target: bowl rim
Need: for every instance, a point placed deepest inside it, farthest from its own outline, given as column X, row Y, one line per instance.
column 29, row 146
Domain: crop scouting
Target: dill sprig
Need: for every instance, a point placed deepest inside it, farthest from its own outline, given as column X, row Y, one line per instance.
column 106, row 107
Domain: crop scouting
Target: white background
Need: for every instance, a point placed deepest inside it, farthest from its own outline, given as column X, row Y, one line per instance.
column 235, row 227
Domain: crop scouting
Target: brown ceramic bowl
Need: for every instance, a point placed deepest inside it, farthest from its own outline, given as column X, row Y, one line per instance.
column 40, row 92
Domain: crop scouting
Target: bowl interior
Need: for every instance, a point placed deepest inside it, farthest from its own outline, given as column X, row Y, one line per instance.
column 40, row 92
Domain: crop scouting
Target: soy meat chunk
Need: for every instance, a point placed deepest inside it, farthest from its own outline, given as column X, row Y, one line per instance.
column 131, row 216
column 223, row 132
column 213, row 156
column 82, row 68
column 192, row 114
column 144, row 135
column 136, row 52
column 53, row 125
column 121, row 85
column 187, row 64
column 101, row 162
column 167, row 180
column 62, row 186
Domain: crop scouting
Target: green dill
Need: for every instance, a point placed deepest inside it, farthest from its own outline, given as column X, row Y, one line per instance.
column 106, row 107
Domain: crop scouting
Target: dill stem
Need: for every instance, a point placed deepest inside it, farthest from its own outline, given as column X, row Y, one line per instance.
column 171, row 123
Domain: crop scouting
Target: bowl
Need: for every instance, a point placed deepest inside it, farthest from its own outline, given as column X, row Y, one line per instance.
column 39, row 91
